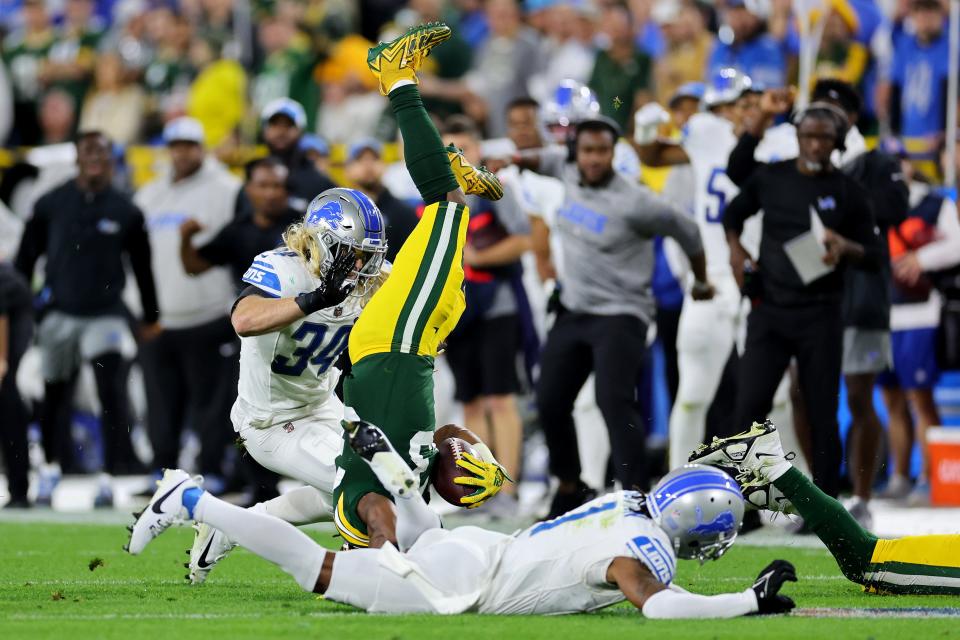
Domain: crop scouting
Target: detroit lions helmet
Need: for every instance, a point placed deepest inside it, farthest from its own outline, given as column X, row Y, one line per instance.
column 700, row 508
column 347, row 220
column 571, row 102
column 726, row 87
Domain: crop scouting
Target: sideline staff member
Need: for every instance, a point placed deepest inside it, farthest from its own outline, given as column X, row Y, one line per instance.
column 84, row 227
column 794, row 319
column 605, row 227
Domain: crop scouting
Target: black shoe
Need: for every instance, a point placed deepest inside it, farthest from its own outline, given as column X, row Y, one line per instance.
column 365, row 439
column 564, row 502
column 751, row 522
column 18, row 503
column 129, row 466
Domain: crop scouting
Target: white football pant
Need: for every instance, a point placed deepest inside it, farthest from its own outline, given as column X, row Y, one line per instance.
column 705, row 340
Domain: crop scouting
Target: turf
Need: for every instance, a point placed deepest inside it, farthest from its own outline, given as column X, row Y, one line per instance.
column 73, row 581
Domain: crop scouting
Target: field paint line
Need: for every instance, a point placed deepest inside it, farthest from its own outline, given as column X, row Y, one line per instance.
column 39, row 617
column 803, row 577
column 127, row 583
column 877, row 612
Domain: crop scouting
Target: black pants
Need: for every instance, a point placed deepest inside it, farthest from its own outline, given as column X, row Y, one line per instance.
column 191, row 378
column 723, row 409
column 668, row 323
column 612, row 347
column 13, row 413
column 110, row 374
column 814, row 336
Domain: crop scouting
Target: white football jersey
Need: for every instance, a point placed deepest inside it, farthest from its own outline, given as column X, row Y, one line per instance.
column 285, row 375
column 560, row 566
column 708, row 140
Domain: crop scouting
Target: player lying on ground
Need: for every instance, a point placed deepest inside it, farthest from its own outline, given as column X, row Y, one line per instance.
column 914, row 565
column 398, row 335
column 622, row 546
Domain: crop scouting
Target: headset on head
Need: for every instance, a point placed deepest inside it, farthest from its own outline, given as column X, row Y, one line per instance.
column 835, row 113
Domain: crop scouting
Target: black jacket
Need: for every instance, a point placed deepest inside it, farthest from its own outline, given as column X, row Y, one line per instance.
column 787, row 197
column 304, row 182
column 15, row 296
column 866, row 300
column 84, row 236
column 400, row 220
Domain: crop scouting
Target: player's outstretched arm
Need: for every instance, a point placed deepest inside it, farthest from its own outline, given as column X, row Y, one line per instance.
column 257, row 312
column 254, row 315
column 657, row 600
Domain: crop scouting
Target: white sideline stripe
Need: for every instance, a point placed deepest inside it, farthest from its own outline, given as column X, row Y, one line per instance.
column 30, row 617
column 435, row 263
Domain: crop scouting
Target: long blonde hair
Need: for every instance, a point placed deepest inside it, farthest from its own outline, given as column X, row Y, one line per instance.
column 301, row 241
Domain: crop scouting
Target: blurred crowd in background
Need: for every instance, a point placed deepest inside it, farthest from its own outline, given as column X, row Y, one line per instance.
column 128, row 66
column 213, row 84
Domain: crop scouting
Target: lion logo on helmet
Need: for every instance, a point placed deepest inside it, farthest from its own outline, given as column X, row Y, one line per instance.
column 330, row 213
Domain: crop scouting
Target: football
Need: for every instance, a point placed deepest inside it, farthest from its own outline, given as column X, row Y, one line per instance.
column 445, row 470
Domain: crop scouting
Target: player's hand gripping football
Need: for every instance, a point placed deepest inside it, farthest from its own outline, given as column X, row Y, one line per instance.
column 768, row 585
column 487, row 477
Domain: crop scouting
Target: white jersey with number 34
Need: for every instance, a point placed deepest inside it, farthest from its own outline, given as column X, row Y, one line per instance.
column 287, row 374
column 708, row 140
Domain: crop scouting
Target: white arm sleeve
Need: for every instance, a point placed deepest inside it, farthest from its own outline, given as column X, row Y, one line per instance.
column 944, row 252
column 669, row 604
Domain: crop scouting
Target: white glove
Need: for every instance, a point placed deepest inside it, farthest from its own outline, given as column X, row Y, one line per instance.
column 484, row 453
column 646, row 122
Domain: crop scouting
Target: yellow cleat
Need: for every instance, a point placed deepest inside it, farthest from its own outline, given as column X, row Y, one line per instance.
column 473, row 181
column 400, row 59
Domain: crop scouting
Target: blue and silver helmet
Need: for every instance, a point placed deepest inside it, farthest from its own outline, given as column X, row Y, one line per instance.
column 347, row 220
column 700, row 508
column 570, row 103
column 726, row 86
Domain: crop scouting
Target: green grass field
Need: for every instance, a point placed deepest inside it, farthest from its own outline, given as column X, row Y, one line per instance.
column 48, row 590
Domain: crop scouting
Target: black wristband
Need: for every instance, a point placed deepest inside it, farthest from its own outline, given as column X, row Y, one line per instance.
column 311, row 301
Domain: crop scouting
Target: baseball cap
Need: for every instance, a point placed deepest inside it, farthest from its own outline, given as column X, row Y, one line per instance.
column 666, row 11
column 183, row 129
column 692, row 90
column 313, row 142
column 894, row 147
column 600, row 120
column 759, row 8
column 284, row 107
column 364, row 144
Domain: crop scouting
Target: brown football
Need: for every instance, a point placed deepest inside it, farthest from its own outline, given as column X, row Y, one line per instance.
column 445, row 470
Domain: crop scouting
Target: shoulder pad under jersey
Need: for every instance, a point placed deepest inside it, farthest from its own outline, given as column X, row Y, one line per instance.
column 280, row 273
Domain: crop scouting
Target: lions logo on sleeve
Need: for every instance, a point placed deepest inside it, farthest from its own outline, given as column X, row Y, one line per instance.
column 653, row 552
column 280, row 274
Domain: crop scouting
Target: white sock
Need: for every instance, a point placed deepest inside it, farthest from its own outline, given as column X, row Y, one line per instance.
column 774, row 469
column 414, row 517
column 104, row 481
column 270, row 538
column 400, row 83
column 51, row 469
column 303, row 505
column 781, row 414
